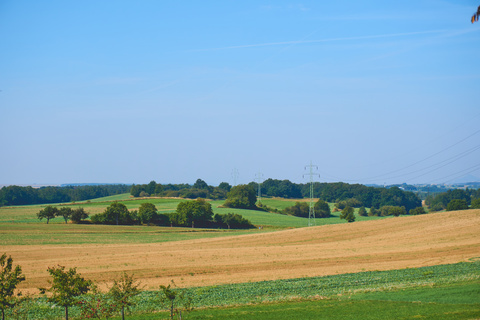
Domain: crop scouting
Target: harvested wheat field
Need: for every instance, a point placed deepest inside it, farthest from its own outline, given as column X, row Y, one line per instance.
column 395, row 243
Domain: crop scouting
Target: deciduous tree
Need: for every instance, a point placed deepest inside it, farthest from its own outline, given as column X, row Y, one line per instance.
column 65, row 212
column 241, row 196
column 347, row 214
column 322, row 209
column 49, row 212
column 10, row 277
column 147, row 213
column 457, row 204
column 66, row 285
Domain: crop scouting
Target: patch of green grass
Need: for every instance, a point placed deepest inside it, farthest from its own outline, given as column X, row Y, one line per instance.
column 54, row 234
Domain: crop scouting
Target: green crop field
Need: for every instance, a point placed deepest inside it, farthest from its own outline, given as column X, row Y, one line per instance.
column 438, row 292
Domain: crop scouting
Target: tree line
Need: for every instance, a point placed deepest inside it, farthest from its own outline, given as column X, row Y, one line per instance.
column 464, row 199
column 329, row 192
column 16, row 195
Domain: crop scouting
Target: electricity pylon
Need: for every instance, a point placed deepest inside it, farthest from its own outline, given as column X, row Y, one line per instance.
column 259, row 179
column 311, row 208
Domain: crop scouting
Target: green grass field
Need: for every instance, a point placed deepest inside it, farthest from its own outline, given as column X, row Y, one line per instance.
column 19, row 225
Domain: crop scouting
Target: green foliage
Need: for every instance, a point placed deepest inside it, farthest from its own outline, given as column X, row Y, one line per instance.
column 232, row 221
column 10, row 277
column 66, row 286
column 280, row 188
column 373, row 212
column 362, row 212
column 475, row 204
column 392, row 211
column 15, row 195
column 177, row 299
column 300, row 209
column 65, row 212
column 123, row 291
column 78, row 215
column 49, row 212
column 322, row 209
column 241, row 196
column 147, row 213
column 189, row 213
column 418, row 210
column 443, row 199
column 116, row 213
column 347, row 214
column 352, row 202
column 457, row 204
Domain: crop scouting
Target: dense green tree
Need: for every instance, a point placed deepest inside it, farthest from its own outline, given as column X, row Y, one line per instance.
column 362, row 212
column 116, row 212
column 150, row 189
column 373, row 212
column 49, row 212
column 348, row 214
column 322, row 209
column 392, row 211
column 457, row 204
column 10, row 277
column 300, row 209
column 232, row 221
column 65, row 212
column 78, row 215
column 200, row 184
column 66, row 286
column 241, row 196
column 225, row 186
column 191, row 213
column 417, row 211
column 476, row 203
column 147, row 213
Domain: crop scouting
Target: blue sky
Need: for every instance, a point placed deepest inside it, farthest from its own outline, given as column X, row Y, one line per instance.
column 171, row 91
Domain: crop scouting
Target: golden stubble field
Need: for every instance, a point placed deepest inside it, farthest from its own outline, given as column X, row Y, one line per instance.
column 394, row 243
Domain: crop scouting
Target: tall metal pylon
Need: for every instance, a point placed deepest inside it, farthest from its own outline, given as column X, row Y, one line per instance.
column 234, row 176
column 259, row 179
column 311, row 208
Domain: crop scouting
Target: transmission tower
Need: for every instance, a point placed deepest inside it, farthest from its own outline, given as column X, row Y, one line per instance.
column 259, row 179
column 234, row 176
column 311, row 208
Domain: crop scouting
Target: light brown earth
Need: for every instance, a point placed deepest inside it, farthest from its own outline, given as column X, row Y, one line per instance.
column 394, row 243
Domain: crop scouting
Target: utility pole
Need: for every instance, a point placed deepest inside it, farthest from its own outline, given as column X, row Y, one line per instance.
column 234, row 176
column 259, row 179
column 311, row 208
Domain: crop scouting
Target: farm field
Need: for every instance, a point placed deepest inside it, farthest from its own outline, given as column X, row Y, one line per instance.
column 385, row 244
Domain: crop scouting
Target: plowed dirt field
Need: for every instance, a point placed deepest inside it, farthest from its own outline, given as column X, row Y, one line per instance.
column 393, row 243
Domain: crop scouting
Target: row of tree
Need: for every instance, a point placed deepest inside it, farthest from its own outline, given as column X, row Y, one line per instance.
column 200, row 189
column 15, row 195
column 195, row 213
column 68, row 288
column 329, row 192
column 440, row 201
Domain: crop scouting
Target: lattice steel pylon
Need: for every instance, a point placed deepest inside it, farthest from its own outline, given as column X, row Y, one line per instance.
column 234, row 176
column 259, row 179
column 311, row 208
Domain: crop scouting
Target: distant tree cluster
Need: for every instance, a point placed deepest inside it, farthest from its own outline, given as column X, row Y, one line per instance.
column 200, row 189
column 441, row 201
column 241, row 197
column 339, row 191
column 302, row 209
column 192, row 213
column 76, row 215
column 15, row 195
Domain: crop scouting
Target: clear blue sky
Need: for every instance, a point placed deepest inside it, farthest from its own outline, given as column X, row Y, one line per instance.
column 171, row 91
